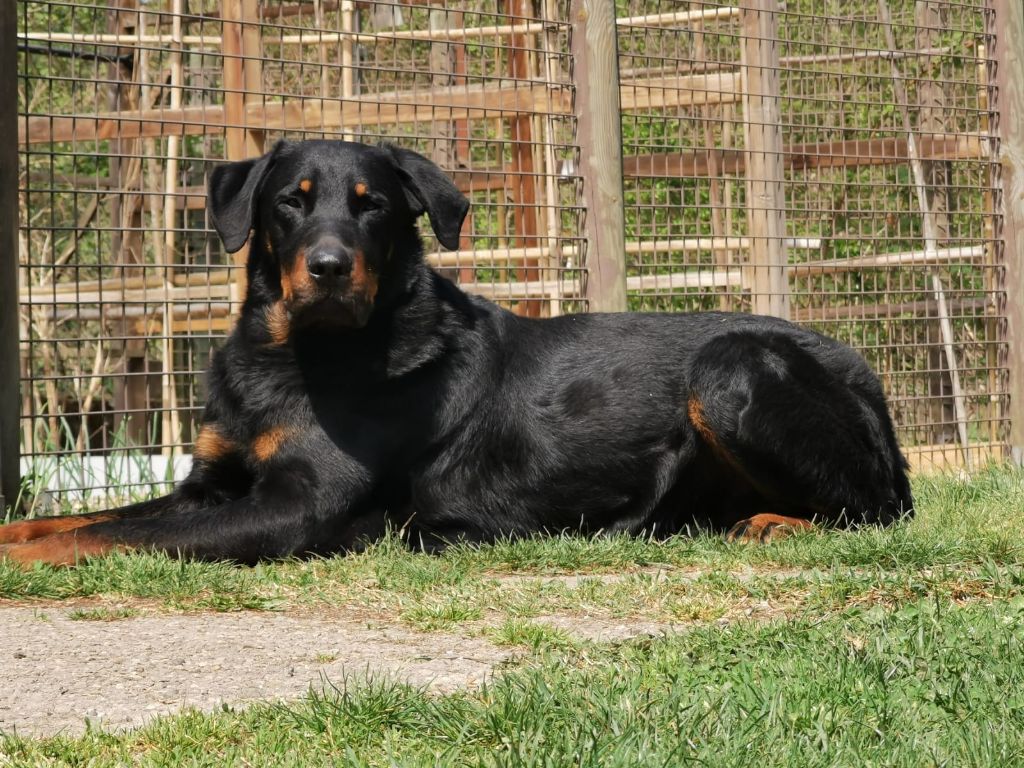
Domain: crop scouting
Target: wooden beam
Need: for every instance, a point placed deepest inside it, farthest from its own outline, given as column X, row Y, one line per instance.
column 297, row 113
column 318, row 37
column 958, row 254
column 315, row 115
column 858, row 313
column 765, row 268
column 1009, row 56
column 599, row 133
column 852, row 153
column 680, row 91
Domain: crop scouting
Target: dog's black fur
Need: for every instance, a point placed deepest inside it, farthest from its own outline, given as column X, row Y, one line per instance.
column 360, row 390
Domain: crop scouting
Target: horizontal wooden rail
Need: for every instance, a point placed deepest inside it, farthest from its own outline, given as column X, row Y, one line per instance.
column 205, row 284
column 313, row 37
column 852, row 153
column 392, row 108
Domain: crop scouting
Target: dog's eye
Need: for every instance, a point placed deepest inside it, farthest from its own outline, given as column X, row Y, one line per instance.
column 290, row 202
column 367, row 204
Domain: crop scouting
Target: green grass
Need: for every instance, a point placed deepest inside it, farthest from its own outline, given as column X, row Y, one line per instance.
column 967, row 536
column 925, row 685
column 878, row 647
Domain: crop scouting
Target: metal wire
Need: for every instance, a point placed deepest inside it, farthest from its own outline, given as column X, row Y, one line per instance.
column 767, row 168
column 783, row 180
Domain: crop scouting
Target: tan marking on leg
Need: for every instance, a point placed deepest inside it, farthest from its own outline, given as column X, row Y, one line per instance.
column 266, row 445
column 766, row 527
column 275, row 317
column 306, row 185
column 211, row 444
column 269, row 244
column 67, row 548
column 695, row 410
column 26, row 530
column 361, row 188
column 363, row 280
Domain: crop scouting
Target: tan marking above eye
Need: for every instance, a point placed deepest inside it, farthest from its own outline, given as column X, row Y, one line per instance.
column 306, row 185
column 361, row 188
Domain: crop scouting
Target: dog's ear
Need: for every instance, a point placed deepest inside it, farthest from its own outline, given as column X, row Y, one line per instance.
column 428, row 188
column 232, row 195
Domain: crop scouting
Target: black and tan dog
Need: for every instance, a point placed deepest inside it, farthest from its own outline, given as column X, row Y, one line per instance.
column 360, row 390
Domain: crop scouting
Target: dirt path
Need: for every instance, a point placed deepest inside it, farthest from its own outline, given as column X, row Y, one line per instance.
column 55, row 671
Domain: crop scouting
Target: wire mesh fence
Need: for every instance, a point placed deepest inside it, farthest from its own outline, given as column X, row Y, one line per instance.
column 831, row 163
column 819, row 164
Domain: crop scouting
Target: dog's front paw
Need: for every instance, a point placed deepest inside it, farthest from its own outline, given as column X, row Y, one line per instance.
column 766, row 527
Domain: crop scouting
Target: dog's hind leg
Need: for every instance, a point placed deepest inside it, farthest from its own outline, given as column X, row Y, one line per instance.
column 809, row 434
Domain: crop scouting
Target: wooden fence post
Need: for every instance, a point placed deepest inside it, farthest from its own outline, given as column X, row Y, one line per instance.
column 599, row 134
column 243, row 82
column 765, row 274
column 10, row 475
column 1009, row 56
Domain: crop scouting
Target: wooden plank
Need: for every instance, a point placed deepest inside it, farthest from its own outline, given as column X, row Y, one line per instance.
column 317, row 37
column 296, row 114
column 887, row 260
column 765, row 267
column 853, row 153
column 679, row 90
column 679, row 18
column 888, row 312
column 461, row 102
column 1009, row 55
column 599, row 133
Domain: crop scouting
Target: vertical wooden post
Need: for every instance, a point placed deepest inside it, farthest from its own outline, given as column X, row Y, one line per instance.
column 131, row 388
column 10, row 475
column 599, row 134
column 1009, row 56
column 243, row 82
column 765, row 274
column 992, row 409
column 348, row 80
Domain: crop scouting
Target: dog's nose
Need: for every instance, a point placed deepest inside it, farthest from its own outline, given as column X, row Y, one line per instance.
column 327, row 266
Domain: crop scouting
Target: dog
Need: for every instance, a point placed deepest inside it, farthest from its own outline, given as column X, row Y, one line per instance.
column 362, row 392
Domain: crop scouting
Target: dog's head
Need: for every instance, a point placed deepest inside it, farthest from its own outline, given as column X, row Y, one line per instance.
column 332, row 223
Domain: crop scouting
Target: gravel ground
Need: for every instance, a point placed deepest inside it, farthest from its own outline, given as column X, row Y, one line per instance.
column 55, row 671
